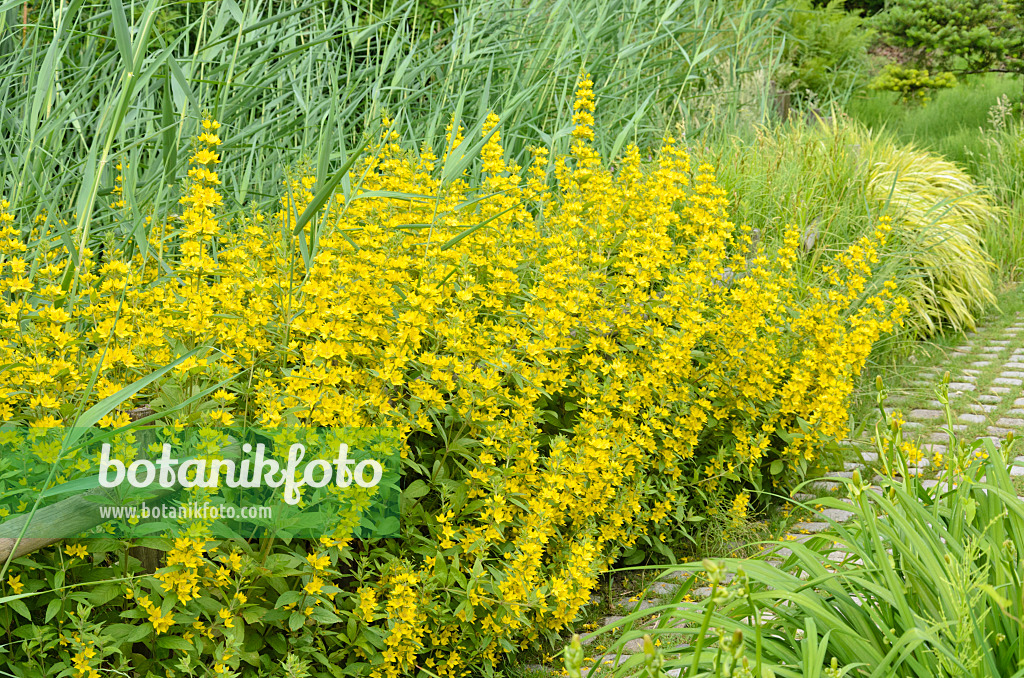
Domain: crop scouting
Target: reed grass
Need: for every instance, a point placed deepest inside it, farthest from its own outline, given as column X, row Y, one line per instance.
column 88, row 85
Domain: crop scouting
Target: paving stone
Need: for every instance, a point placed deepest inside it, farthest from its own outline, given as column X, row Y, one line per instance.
column 989, row 356
column 981, row 363
column 633, row 606
column 1009, row 381
column 933, row 448
column 1003, row 390
column 938, row 437
column 1013, row 365
column 1017, row 469
column 972, row 418
column 841, row 474
column 999, row 431
column 972, row 372
column 964, row 347
column 994, row 349
column 1012, row 375
column 662, row 588
column 959, row 427
column 838, row 515
column 981, row 407
column 633, row 646
column 985, row 398
column 1019, row 402
column 925, row 414
column 1016, row 411
column 870, row 456
column 961, row 386
column 811, row 527
column 999, row 342
column 803, row 497
column 1010, row 422
column 611, row 660
column 850, row 466
column 825, row 485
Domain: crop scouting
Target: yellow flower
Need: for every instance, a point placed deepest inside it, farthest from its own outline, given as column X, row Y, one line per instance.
column 161, row 623
column 76, row 550
column 314, row 586
column 15, row 584
column 225, row 615
column 319, row 562
column 204, row 156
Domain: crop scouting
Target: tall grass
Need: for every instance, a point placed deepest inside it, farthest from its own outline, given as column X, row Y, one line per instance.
column 88, row 85
column 972, row 125
column 948, row 125
column 837, row 180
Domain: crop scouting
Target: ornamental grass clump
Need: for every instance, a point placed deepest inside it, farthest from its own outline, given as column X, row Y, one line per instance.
column 943, row 213
column 833, row 179
column 574, row 375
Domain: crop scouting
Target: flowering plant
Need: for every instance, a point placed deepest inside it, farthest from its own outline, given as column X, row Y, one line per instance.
column 581, row 364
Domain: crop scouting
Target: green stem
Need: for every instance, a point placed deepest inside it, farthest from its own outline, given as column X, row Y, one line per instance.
column 698, row 648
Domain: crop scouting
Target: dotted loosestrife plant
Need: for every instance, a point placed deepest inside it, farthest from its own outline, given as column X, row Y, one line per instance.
column 601, row 362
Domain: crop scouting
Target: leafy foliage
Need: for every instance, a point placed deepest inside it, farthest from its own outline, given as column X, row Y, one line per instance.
column 833, row 178
column 911, row 83
column 923, row 581
column 580, row 362
column 827, row 51
column 953, row 35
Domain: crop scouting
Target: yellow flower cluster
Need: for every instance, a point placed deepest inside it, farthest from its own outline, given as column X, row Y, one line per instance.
column 564, row 359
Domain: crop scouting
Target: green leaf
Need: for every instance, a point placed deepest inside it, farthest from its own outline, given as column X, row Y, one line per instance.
column 51, row 609
column 175, row 643
column 296, row 621
column 418, row 488
column 127, row 633
column 324, row 616
column 327, row 189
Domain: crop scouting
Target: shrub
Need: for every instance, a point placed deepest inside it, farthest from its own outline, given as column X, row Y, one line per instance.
column 827, row 52
column 579, row 369
column 912, row 84
column 964, row 37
